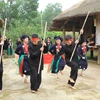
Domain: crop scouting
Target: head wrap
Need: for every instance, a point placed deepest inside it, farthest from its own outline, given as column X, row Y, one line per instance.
column 23, row 37
column 58, row 37
column 35, row 37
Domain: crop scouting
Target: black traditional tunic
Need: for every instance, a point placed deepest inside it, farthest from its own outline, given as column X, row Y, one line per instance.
column 34, row 59
column 58, row 63
column 74, row 63
column 23, row 60
column 82, row 53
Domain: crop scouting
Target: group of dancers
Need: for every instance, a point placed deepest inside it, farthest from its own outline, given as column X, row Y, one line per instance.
column 29, row 52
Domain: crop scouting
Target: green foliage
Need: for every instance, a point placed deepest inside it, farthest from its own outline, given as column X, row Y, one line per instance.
column 18, row 9
column 51, row 11
column 18, row 29
column 28, row 9
column 23, row 18
column 52, row 34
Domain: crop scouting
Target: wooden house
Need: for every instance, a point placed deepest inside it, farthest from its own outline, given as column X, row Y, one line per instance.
column 73, row 18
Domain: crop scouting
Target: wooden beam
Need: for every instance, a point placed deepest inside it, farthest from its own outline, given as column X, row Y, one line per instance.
column 98, row 29
column 98, row 35
column 64, row 24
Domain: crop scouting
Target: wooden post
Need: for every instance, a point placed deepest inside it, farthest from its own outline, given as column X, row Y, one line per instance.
column 74, row 31
column 63, row 28
column 98, row 35
column 98, row 55
column 64, row 34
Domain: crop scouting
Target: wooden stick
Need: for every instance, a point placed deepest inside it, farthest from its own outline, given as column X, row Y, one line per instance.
column 3, row 38
column 41, row 24
column 42, row 46
column 79, row 35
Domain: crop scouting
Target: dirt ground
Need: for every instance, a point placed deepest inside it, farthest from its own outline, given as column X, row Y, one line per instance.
column 88, row 87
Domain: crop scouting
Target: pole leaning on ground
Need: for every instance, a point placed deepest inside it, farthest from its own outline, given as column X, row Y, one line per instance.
column 4, row 32
column 79, row 36
column 42, row 46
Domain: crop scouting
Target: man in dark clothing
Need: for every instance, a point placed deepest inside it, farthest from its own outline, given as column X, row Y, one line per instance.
column 68, row 48
column 92, row 40
column 35, row 49
column 92, row 44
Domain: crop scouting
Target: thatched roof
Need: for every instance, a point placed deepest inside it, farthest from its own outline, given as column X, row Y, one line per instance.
column 1, row 23
column 78, row 10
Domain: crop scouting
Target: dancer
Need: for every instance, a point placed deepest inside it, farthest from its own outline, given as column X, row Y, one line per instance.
column 82, row 50
column 48, row 42
column 68, row 49
column 22, row 51
column 35, row 49
column 57, row 50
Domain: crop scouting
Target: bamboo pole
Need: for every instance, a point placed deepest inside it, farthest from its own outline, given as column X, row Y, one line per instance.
column 4, row 32
column 42, row 46
column 79, row 36
column 41, row 24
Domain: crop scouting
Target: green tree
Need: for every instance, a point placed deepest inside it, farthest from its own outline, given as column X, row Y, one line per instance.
column 51, row 11
column 28, row 10
column 9, row 10
column 18, row 9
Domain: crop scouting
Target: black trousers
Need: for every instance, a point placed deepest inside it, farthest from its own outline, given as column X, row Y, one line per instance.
column 35, row 79
column 1, row 74
column 74, row 71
